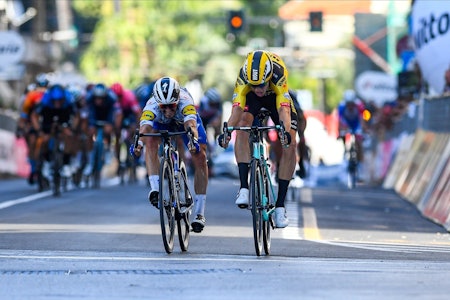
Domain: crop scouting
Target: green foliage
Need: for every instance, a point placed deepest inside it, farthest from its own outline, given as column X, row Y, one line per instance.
column 154, row 38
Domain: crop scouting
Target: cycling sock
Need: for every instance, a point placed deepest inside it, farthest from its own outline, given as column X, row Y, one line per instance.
column 154, row 182
column 282, row 191
column 243, row 175
column 200, row 202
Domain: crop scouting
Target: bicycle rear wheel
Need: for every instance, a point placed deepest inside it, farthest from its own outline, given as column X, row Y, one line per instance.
column 166, row 208
column 256, row 191
column 184, row 209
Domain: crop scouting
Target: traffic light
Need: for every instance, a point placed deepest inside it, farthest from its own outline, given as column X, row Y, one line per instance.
column 315, row 20
column 236, row 21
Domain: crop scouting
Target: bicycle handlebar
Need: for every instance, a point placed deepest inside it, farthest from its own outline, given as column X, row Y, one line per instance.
column 227, row 129
column 161, row 133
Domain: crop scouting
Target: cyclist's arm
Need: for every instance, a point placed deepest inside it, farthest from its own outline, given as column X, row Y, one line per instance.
column 239, row 101
column 192, row 124
column 283, row 102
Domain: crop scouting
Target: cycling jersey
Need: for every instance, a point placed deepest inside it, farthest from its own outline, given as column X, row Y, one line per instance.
column 351, row 115
column 277, row 85
column 48, row 111
column 103, row 111
column 31, row 101
column 128, row 103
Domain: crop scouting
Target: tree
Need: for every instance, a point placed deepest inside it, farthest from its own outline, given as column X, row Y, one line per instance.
column 152, row 38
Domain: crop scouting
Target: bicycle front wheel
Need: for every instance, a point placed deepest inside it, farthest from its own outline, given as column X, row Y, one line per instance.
column 165, row 204
column 184, row 209
column 267, row 223
column 57, row 164
column 256, row 191
column 352, row 168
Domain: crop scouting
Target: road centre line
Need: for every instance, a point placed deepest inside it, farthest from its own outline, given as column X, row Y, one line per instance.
column 310, row 228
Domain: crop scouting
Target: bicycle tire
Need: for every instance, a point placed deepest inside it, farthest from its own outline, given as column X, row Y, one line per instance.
column 165, row 204
column 352, row 168
column 98, row 161
column 255, row 196
column 56, row 168
column 267, row 223
column 184, row 209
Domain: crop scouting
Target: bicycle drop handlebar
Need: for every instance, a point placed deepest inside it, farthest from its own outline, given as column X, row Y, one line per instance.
column 227, row 129
column 163, row 134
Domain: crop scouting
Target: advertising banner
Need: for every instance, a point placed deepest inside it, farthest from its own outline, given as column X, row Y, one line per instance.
column 431, row 34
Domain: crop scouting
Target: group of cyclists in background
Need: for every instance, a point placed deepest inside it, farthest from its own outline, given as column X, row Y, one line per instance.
column 164, row 104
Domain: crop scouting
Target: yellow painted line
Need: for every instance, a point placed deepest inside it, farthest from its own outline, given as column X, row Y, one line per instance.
column 310, row 228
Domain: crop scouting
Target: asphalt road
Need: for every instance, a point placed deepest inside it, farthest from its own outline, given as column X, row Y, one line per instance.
column 366, row 243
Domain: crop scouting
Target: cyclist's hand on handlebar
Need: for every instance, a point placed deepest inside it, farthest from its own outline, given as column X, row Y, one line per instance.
column 285, row 139
column 224, row 139
column 136, row 151
column 193, row 145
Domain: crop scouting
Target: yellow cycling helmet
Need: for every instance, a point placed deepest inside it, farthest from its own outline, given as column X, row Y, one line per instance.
column 258, row 68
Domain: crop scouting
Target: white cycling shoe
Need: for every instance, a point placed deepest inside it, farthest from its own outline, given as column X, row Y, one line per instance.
column 281, row 221
column 242, row 198
column 66, row 171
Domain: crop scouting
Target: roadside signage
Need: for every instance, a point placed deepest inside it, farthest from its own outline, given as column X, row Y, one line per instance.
column 12, row 48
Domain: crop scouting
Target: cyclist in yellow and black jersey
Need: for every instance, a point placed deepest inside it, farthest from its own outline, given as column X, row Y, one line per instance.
column 262, row 83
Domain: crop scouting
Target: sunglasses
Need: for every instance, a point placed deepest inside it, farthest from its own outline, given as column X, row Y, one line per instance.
column 259, row 85
column 172, row 106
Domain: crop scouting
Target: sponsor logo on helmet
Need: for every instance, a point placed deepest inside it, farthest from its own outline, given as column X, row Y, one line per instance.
column 255, row 74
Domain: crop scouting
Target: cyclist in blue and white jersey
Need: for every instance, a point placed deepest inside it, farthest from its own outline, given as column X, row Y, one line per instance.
column 171, row 107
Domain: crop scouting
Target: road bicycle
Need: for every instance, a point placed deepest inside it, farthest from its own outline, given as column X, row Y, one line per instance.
column 98, row 157
column 175, row 198
column 261, row 188
column 55, row 148
column 127, row 164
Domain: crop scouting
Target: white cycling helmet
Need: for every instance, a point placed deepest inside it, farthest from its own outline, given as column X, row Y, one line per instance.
column 349, row 96
column 166, row 91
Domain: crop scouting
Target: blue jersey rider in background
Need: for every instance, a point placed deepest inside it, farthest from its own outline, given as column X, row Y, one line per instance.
column 57, row 105
column 350, row 111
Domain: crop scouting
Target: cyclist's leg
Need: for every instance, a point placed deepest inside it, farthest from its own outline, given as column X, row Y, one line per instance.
column 200, row 167
column 152, row 159
column 242, row 147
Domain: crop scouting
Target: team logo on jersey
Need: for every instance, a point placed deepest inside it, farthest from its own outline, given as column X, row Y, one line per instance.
column 189, row 110
column 147, row 116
